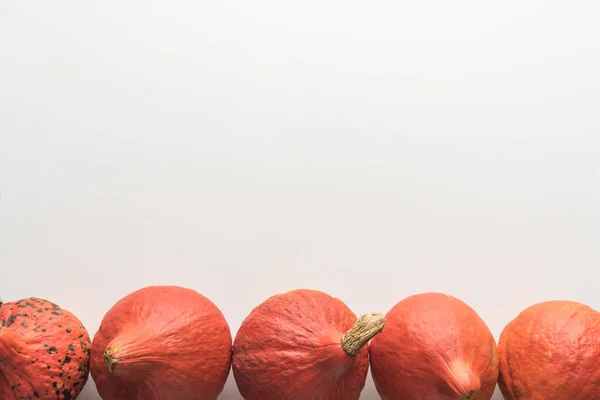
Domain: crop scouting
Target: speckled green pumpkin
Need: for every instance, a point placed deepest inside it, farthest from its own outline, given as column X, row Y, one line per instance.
column 44, row 351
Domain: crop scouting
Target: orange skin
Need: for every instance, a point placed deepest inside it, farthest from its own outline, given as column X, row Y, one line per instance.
column 44, row 351
column 289, row 348
column 167, row 343
column 434, row 347
column 551, row 351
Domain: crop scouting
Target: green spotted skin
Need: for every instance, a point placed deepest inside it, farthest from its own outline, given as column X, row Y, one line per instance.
column 44, row 351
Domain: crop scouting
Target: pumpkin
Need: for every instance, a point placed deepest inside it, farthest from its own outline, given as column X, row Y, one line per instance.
column 44, row 351
column 551, row 351
column 434, row 347
column 162, row 343
column 303, row 344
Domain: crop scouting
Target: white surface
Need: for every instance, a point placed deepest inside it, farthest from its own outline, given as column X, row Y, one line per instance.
column 369, row 149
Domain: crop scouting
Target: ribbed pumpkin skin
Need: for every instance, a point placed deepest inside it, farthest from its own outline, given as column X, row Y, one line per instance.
column 44, row 351
column 289, row 348
column 551, row 351
column 169, row 342
column 434, row 347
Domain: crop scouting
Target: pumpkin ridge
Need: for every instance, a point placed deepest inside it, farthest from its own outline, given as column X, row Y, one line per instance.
column 18, row 348
column 12, row 345
column 134, row 354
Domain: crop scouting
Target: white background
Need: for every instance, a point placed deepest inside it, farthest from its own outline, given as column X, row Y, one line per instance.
column 244, row 148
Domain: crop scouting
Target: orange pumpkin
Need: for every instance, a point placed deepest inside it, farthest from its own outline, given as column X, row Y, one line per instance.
column 301, row 345
column 44, row 351
column 434, row 347
column 551, row 351
column 162, row 343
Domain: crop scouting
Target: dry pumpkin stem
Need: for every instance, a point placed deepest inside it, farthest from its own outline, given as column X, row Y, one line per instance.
column 469, row 396
column 108, row 360
column 365, row 328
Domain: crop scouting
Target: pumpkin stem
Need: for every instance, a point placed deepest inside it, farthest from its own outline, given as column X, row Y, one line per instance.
column 1, row 302
column 469, row 396
column 363, row 330
column 109, row 360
